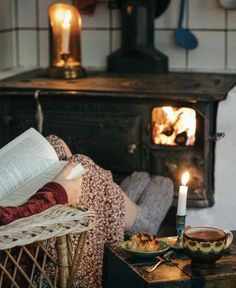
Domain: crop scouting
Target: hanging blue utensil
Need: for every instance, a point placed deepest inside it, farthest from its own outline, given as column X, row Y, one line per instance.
column 184, row 37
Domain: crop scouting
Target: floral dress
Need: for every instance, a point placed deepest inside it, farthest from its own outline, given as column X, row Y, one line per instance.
column 105, row 198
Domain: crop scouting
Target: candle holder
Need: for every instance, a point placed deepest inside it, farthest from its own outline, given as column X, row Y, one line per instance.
column 180, row 226
column 65, row 33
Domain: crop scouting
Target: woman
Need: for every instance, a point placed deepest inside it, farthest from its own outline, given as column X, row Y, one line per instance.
column 115, row 212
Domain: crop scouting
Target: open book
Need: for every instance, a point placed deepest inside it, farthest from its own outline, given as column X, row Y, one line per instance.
column 27, row 163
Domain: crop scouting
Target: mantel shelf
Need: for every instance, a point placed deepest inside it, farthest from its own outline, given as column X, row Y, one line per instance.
column 178, row 86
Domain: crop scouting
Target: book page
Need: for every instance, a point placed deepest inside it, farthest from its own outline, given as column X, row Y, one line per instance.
column 24, row 158
column 21, row 194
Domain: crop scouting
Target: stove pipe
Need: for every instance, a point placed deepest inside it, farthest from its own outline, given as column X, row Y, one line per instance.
column 137, row 53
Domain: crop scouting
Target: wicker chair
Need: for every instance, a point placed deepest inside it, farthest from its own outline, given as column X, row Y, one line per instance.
column 38, row 230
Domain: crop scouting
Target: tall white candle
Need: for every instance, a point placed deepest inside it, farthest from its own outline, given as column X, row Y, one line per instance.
column 66, row 32
column 182, row 200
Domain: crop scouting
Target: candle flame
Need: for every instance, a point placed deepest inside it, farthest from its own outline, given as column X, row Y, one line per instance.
column 60, row 15
column 185, row 178
column 64, row 17
column 67, row 17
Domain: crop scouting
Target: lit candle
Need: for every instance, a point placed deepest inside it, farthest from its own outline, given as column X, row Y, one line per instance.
column 66, row 32
column 182, row 200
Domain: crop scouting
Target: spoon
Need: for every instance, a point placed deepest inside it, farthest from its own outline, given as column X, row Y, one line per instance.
column 166, row 258
column 184, row 37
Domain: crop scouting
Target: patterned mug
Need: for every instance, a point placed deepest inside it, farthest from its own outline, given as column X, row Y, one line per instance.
column 205, row 245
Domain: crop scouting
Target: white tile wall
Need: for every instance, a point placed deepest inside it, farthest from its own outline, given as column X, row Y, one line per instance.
column 43, row 13
column 115, row 40
column 116, row 21
column 231, row 19
column 28, row 48
column 169, row 19
column 43, row 48
column 100, row 18
column 206, row 14
column 214, row 26
column 95, row 48
column 231, row 52
column 164, row 42
column 26, row 18
column 210, row 53
column 7, row 14
column 7, row 49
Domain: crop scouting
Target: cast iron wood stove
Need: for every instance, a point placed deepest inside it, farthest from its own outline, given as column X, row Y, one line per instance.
column 164, row 123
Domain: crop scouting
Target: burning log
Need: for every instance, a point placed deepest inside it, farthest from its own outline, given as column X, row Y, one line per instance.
column 181, row 139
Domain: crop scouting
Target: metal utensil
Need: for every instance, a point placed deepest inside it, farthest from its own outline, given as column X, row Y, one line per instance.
column 168, row 256
column 178, row 244
column 183, row 36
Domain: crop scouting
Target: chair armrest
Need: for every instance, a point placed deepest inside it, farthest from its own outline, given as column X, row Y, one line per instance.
column 56, row 221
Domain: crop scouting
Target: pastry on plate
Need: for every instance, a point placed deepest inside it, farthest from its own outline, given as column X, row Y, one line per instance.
column 143, row 242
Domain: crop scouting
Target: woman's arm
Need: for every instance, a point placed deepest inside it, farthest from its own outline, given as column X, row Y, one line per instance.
column 60, row 191
column 49, row 195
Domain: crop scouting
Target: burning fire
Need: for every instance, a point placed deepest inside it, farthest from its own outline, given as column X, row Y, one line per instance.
column 174, row 126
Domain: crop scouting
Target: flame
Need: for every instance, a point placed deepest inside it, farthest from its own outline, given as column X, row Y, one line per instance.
column 63, row 16
column 170, row 113
column 185, row 178
column 60, row 15
column 67, row 17
column 187, row 122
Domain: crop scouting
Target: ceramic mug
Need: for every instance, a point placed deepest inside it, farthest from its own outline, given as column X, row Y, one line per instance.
column 205, row 245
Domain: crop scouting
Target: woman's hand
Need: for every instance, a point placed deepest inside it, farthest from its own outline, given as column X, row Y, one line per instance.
column 72, row 187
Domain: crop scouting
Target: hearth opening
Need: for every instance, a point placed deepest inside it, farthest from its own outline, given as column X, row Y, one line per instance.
column 173, row 125
column 178, row 139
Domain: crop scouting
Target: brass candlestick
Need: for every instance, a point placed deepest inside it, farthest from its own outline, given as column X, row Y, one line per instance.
column 180, row 226
column 68, row 70
column 65, row 26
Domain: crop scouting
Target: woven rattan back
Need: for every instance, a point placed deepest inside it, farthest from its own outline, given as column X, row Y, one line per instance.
column 25, row 260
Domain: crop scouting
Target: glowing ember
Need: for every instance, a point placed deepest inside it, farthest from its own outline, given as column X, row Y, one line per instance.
column 174, row 126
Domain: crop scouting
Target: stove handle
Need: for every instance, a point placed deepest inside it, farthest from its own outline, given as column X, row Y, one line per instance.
column 132, row 148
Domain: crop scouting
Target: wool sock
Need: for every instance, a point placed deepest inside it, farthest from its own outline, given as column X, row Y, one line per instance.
column 134, row 185
column 153, row 205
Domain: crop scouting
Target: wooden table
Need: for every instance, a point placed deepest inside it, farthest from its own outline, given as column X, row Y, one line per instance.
column 120, row 273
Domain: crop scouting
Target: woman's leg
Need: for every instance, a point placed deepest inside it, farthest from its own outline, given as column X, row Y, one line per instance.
column 135, row 184
column 131, row 210
column 61, row 148
column 152, row 206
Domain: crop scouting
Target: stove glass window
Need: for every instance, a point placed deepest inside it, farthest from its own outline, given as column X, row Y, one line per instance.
column 173, row 126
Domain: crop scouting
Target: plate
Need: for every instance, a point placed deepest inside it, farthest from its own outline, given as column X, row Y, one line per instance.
column 163, row 248
column 171, row 242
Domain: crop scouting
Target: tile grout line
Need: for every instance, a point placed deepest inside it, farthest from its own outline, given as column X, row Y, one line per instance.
column 17, row 34
column 226, row 40
column 110, row 31
column 187, row 24
column 37, row 33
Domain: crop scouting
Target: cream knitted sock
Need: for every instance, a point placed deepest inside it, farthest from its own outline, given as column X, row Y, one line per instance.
column 135, row 184
column 153, row 205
